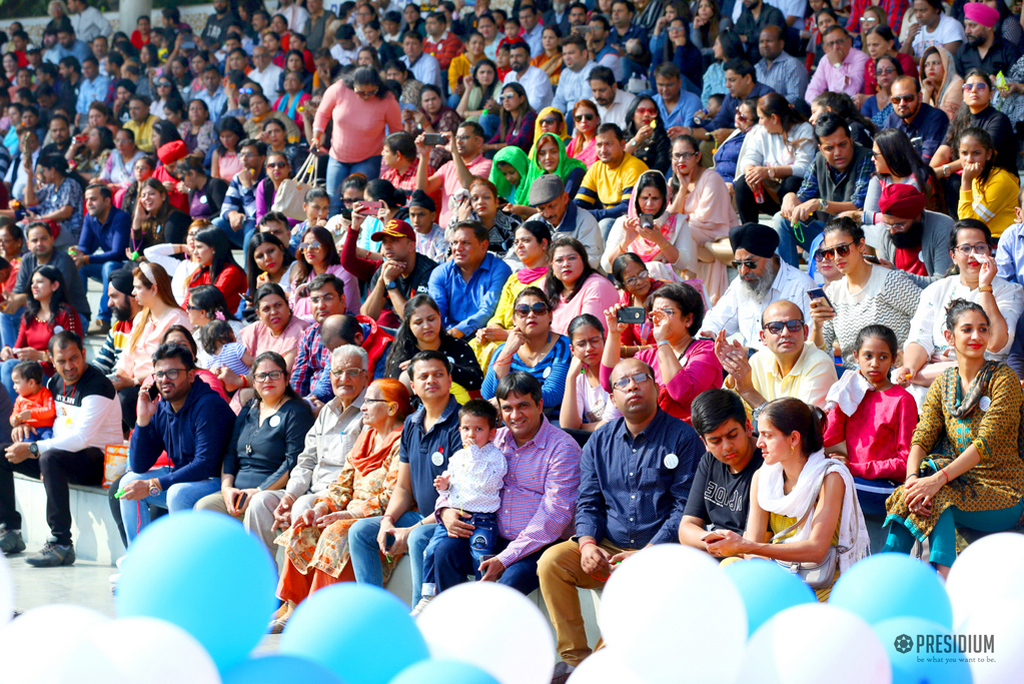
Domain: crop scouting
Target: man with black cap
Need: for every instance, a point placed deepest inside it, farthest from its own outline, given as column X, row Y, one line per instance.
column 763, row 278
column 401, row 275
column 430, row 239
column 124, row 307
column 549, row 198
column 907, row 236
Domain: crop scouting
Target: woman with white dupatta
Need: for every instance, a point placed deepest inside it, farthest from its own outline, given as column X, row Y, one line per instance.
column 803, row 506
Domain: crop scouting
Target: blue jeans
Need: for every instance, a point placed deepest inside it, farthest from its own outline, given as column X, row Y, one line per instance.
column 100, row 273
column 453, row 100
column 943, row 536
column 337, row 172
column 362, row 542
column 453, row 563
column 178, row 497
column 789, row 238
column 9, row 324
column 872, row 494
column 490, row 123
column 481, row 543
column 238, row 238
column 41, row 433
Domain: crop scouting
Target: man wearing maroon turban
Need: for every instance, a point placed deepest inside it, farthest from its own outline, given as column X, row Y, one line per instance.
column 909, row 237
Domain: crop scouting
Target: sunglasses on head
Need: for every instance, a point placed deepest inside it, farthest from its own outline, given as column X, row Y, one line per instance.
column 539, row 308
column 841, row 251
column 776, row 327
column 586, row 116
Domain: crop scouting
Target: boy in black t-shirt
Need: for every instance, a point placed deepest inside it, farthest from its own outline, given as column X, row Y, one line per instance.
column 724, row 473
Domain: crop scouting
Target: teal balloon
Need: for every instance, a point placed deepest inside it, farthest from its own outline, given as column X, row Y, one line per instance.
column 277, row 669
column 911, row 665
column 767, row 589
column 889, row 585
column 202, row 572
column 359, row 632
column 443, row 671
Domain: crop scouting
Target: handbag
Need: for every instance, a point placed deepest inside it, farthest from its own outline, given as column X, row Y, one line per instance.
column 815, row 575
column 289, row 197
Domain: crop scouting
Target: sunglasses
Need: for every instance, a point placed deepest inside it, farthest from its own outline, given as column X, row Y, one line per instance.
column 277, row 165
column 898, row 99
column 776, row 327
column 646, row 110
column 311, row 246
column 841, row 251
column 748, row 264
column 538, row 308
column 884, row 71
column 549, row 122
column 975, row 86
column 583, row 117
column 742, row 117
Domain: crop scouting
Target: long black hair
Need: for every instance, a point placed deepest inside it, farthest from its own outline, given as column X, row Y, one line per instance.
column 964, row 117
column 251, row 269
column 486, row 92
column 217, row 239
column 904, row 161
column 985, row 140
column 406, row 345
column 58, row 301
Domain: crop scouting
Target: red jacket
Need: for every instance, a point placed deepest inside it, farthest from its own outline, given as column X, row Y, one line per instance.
column 376, row 343
column 231, row 282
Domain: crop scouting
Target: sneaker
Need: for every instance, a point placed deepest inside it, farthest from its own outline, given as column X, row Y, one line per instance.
column 99, row 327
column 11, row 542
column 561, row 673
column 53, row 556
column 421, row 605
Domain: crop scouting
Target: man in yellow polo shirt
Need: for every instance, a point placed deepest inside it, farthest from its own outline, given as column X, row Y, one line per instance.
column 141, row 122
column 609, row 182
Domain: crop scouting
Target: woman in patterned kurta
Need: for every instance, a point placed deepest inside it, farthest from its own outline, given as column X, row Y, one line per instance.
column 316, row 546
column 965, row 462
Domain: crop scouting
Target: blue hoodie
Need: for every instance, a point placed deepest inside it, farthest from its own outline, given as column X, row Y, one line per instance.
column 195, row 438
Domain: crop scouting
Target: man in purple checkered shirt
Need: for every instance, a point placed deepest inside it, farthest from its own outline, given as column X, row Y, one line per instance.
column 326, row 298
column 537, row 502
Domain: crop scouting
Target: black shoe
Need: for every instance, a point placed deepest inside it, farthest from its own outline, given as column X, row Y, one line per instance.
column 53, row 556
column 11, row 542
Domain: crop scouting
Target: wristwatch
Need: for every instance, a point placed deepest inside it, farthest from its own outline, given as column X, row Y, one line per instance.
column 390, row 285
column 823, row 203
column 154, row 488
column 33, row 449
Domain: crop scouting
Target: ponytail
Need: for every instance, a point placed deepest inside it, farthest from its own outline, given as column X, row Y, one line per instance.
column 790, row 415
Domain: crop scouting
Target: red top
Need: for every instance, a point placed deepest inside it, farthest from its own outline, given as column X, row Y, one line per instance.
column 37, row 334
column 231, row 282
column 39, row 405
column 138, row 40
column 877, row 435
column 638, row 335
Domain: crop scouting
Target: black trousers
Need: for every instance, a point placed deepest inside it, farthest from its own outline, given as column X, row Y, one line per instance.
column 57, row 469
column 748, row 208
column 128, row 398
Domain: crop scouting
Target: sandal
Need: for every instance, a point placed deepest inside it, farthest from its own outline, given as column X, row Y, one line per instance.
column 277, row 625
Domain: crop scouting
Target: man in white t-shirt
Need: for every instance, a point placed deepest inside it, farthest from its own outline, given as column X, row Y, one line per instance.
column 933, row 27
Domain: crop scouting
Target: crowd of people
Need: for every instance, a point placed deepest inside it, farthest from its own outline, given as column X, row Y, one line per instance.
column 519, row 290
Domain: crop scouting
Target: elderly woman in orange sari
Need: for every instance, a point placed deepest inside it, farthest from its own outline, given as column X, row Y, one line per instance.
column 316, row 546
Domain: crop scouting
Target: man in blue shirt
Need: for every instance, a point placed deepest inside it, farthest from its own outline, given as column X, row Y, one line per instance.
column 101, row 247
column 466, row 288
column 676, row 106
column 741, row 82
column 429, row 439
column 635, row 477
column 924, row 125
column 93, row 89
column 68, row 46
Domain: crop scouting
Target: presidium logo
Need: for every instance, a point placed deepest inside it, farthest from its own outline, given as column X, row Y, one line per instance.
column 967, row 647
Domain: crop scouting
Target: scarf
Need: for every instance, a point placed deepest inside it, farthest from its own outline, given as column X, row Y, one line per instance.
column 562, row 130
column 978, row 388
column 529, row 275
column 666, row 222
column 847, row 393
column 799, row 503
column 364, row 457
column 517, row 159
column 566, row 164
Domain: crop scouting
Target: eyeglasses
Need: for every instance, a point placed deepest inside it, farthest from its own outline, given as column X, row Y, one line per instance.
column 642, row 275
column 348, row 372
column 833, row 43
column 884, row 71
column 273, row 376
column 366, row 93
column 841, row 251
column 898, row 227
column 163, row 84
column 898, row 99
column 586, row 116
column 538, row 308
column 277, row 165
column 975, row 86
column 622, row 383
column 683, row 156
column 748, row 264
column 508, row 96
column 346, row 200
column 980, row 248
column 311, row 246
column 776, row 327
column 646, row 110
column 368, row 400
column 549, row 122
column 171, row 374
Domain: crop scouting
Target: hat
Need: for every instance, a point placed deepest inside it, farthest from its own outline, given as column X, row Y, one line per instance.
column 172, row 152
column 981, row 14
column 759, row 240
column 547, row 188
column 422, row 199
column 395, row 228
column 121, row 279
column 902, row 201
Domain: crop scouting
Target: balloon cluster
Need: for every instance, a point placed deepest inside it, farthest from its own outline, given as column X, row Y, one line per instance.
column 196, row 592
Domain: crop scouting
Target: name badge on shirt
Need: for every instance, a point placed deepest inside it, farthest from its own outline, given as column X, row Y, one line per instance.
column 437, row 459
column 202, row 200
column 671, row 461
column 547, row 372
column 275, row 421
column 57, row 329
column 984, row 403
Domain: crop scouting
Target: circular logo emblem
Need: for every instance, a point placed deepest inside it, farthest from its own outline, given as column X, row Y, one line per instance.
column 671, row 461
column 437, row 459
column 903, row 643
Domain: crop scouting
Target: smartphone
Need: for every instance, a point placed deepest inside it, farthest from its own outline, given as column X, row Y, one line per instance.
column 240, row 499
column 370, row 208
column 631, row 315
column 154, row 392
column 819, row 293
column 872, row 259
column 434, row 139
column 646, row 220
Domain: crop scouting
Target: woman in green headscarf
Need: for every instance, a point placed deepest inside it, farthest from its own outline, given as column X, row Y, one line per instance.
column 549, row 156
column 508, row 172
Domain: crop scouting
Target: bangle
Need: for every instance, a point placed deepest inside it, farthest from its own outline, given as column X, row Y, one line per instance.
column 387, row 517
column 945, row 170
column 914, row 475
column 943, row 471
column 985, row 288
column 585, row 542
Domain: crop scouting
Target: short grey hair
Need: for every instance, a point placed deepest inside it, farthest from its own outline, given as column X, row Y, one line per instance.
column 351, row 350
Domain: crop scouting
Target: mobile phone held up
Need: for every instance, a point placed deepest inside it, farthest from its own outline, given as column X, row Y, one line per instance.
column 819, row 293
column 370, row 208
column 154, row 392
column 647, row 220
column 433, row 139
column 631, row 315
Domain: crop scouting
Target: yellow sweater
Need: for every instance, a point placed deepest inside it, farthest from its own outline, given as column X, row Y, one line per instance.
column 992, row 203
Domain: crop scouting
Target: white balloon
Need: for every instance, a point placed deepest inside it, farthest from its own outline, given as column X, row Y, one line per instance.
column 1003, row 621
column 667, row 609
column 34, row 648
column 140, row 650
column 493, row 627
column 814, row 643
column 604, row 667
column 987, row 571
column 6, row 592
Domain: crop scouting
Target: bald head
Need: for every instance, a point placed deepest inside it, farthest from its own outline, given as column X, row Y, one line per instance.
column 341, row 329
column 783, row 310
column 778, row 333
column 634, row 391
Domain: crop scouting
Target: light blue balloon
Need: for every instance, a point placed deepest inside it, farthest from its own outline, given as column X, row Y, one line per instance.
column 201, row 571
column 889, row 585
column 443, row 671
column 916, row 665
column 767, row 589
column 359, row 632
column 277, row 669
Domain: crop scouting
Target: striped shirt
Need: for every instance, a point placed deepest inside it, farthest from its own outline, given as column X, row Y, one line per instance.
column 539, row 497
column 605, row 190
